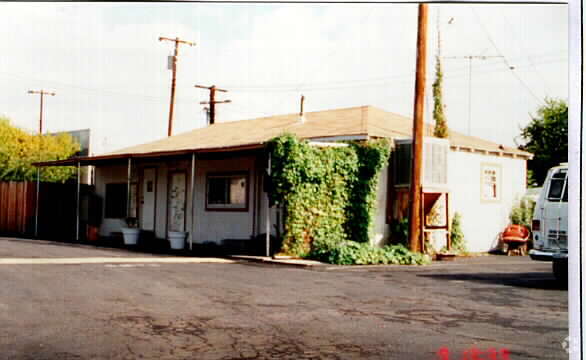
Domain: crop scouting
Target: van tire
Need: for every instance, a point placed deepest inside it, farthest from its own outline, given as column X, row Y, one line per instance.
column 560, row 270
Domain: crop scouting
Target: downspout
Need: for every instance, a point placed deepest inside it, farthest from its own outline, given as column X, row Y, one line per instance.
column 268, row 215
column 192, row 185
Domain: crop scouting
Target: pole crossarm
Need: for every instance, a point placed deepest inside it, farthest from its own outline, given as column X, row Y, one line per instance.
column 161, row 38
column 481, row 57
column 42, row 93
column 212, row 102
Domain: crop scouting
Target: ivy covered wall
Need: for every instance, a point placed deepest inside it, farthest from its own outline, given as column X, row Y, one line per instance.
column 329, row 193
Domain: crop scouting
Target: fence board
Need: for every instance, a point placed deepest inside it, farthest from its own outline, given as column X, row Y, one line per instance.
column 16, row 210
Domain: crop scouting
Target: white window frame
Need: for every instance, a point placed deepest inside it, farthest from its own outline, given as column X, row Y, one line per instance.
column 497, row 168
column 227, row 207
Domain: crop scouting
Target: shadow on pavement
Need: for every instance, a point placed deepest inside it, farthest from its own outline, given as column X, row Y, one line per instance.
column 531, row 280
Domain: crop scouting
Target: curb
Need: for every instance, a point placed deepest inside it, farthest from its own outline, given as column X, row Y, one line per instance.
column 277, row 262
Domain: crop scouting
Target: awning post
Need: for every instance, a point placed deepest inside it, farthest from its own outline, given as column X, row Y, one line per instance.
column 37, row 202
column 128, row 175
column 268, row 214
column 77, row 200
column 192, row 188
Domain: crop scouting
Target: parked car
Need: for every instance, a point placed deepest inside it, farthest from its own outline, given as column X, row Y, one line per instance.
column 550, row 221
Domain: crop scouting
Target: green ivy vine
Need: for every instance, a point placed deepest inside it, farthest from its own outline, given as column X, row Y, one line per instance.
column 329, row 192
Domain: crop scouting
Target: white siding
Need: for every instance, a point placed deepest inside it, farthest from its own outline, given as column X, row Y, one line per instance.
column 381, row 231
column 482, row 220
column 215, row 226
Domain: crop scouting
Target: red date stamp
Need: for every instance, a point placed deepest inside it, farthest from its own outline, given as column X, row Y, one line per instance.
column 474, row 354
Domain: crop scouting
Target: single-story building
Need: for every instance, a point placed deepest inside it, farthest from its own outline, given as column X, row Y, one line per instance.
column 209, row 182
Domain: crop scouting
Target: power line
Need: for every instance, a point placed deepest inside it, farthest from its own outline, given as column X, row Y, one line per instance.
column 537, row 72
column 504, row 58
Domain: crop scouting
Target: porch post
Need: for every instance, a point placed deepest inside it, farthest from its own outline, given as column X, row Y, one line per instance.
column 77, row 200
column 192, row 189
column 128, row 174
column 268, row 215
column 37, row 202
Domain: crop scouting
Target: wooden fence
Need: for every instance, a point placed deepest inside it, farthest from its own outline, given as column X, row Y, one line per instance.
column 17, row 208
column 57, row 213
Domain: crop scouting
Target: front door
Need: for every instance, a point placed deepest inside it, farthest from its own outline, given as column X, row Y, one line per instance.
column 176, row 202
column 147, row 202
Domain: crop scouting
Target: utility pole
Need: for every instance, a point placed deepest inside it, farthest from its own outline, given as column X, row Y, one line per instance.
column 301, row 105
column 42, row 93
column 415, row 189
column 174, row 69
column 213, row 100
column 470, row 58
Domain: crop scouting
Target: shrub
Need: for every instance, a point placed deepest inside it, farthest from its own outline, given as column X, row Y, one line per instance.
column 354, row 253
column 329, row 193
column 522, row 213
column 457, row 235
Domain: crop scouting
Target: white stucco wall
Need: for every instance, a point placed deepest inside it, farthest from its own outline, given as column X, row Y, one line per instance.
column 482, row 220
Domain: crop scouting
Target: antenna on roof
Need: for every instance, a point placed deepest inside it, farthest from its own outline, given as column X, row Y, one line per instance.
column 301, row 115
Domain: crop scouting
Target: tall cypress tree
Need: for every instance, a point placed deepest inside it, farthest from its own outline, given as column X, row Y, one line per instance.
column 441, row 127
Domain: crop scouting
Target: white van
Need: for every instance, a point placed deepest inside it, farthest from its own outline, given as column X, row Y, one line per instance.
column 550, row 217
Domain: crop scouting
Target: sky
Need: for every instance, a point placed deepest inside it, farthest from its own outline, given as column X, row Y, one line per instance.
column 109, row 70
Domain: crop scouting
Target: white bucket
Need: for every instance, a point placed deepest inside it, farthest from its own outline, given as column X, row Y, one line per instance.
column 177, row 239
column 130, row 235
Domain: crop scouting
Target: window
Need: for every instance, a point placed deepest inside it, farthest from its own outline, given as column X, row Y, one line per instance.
column 227, row 192
column 490, row 182
column 116, row 201
column 557, row 190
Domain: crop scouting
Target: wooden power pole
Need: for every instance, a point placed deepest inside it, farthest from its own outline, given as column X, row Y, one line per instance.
column 415, row 189
column 174, row 69
column 42, row 93
column 213, row 100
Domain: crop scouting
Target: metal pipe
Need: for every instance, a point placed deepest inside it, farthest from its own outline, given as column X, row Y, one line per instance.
column 192, row 201
column 77, row 198
column 37, row 203
column 268, row 215
column 128, row 187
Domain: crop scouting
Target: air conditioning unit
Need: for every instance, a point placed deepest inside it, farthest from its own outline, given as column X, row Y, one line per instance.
column 435, row 162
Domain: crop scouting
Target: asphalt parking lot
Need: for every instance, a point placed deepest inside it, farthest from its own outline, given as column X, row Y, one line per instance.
column 496, row 306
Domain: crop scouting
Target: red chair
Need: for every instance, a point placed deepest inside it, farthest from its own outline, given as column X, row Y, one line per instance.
column 516, row 238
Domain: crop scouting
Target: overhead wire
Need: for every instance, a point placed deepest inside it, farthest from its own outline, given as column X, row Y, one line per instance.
column 503, row 57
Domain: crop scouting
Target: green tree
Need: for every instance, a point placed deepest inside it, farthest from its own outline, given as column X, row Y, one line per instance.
column 19, row 150
column 546, row 136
